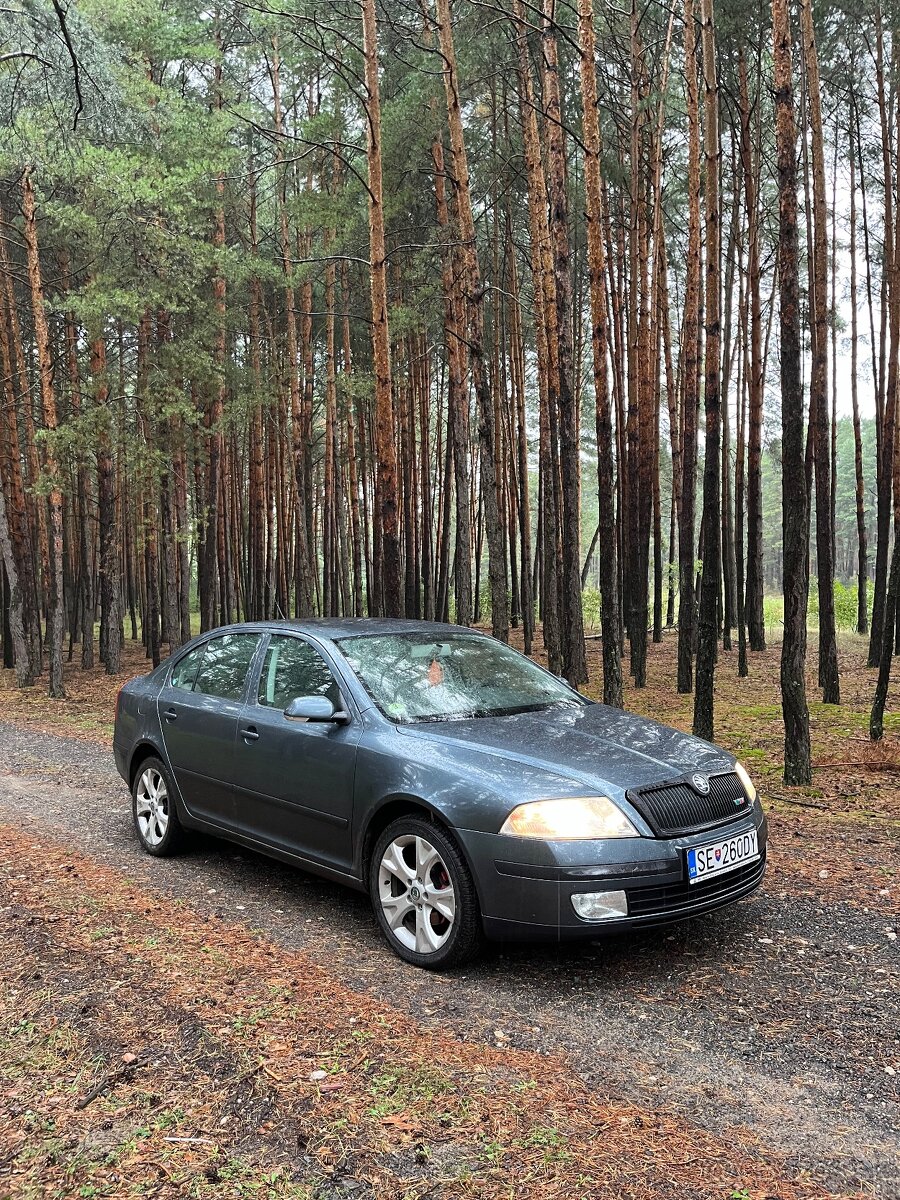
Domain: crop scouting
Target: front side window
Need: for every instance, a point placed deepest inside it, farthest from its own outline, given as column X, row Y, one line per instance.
column 420, row 677
column 226, row 661
column 294, row 668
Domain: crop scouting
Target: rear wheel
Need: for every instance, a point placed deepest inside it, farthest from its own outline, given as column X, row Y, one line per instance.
column 423, row 895
column 153, row 808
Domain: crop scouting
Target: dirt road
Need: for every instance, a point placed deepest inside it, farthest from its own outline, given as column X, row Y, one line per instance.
column 780, row 1017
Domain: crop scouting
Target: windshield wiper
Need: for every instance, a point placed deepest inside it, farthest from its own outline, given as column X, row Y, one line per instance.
column 480, row 713
column 458, row 716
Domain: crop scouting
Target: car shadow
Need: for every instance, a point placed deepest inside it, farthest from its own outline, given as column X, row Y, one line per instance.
column 304, row 910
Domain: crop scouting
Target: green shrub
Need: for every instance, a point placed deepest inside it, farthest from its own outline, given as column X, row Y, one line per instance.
column 590, row 606
column 845, row 604
column 846, row 599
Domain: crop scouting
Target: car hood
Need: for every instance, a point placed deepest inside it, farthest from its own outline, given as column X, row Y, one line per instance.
column 595, row 745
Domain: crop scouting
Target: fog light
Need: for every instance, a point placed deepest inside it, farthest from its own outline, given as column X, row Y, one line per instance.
column 600, row 906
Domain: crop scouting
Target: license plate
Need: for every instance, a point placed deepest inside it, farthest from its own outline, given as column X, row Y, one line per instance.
column 718, row 857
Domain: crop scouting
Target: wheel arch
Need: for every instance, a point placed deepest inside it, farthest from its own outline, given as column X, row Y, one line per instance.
column 392, row 807
column 142, row 751
column 403, row 804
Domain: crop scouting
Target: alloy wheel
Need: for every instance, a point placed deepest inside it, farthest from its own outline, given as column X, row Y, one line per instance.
column 151, row 806
column 416, row 894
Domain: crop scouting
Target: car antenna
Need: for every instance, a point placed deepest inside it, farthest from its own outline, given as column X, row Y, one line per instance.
column 281, row 615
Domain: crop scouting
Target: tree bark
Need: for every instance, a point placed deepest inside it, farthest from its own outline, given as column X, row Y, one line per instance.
column 573, row 648
column 609, row 574
column 756, row 630
column 48, row 405
column 712, row 549
column 17, row 509
column 474, row 294
column 390, row 602
column 457, row 397
column 876, row 720
column 14, row 613
column 547, row 345
column 689, row 372
column 829, row 678
column 862, row 609
column 886, row 406
column 797, row 764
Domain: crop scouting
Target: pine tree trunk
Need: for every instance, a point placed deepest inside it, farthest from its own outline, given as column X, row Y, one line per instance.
column 756, row 631
column 573, row 649
column 520, row 452
column 350, row 436
column 457, row 398
column 892, row 599
column 257, row 608
column 886, row 408
column 730, row 345
column 108, row 530
column 712, row 556
column 744, row 369
column 84, row 598
column 13, row 607
column 23, row 576
column 689, row 372
column 547, row 346
column 299, row 441
column 829, row 678
column 38, row 566
column 391, row 599
column 795, row 502
column 207, row 552
column 330, row 538
column 609, row 574
column 474, row 296
column 862, row 609
column 48, row 404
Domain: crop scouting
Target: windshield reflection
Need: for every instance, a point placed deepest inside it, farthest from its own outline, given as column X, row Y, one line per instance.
column 415, row 677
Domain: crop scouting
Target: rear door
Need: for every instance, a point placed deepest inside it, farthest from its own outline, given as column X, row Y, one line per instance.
column 294, row 779
column 199, row 706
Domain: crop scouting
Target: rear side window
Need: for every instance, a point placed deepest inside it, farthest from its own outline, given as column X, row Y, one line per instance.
column 226, row 661
column 185, row 670
column 293, row 668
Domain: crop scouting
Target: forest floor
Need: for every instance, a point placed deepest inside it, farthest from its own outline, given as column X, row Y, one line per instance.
column 221, row 1025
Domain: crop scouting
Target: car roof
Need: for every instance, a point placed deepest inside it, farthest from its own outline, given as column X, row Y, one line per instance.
column 339, row 627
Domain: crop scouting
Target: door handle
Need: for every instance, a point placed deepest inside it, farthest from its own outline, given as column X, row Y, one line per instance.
column 170, row 714
column 251, row 734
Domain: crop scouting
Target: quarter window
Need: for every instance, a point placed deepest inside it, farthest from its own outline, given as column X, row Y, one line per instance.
column 185, row 670
column 294, row 668
column 226, row 661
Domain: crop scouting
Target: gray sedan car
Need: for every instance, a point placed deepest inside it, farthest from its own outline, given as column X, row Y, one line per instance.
column 466, row 789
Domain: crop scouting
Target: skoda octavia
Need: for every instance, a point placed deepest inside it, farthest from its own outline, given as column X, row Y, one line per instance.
column 466, row 789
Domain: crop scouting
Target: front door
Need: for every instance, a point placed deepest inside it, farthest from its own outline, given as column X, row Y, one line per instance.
column 198, row 712
column 294, row 779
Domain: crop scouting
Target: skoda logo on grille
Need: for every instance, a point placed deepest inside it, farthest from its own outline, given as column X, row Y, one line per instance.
column 700, row 784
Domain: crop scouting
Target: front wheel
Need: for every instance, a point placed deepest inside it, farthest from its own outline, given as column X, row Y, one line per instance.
column 423, row 895
column 153, row 807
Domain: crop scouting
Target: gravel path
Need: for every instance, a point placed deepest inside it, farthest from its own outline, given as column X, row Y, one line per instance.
column 780, row 1017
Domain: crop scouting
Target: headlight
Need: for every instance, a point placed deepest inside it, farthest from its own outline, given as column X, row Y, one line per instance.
column 745, row 780
column 573, row 820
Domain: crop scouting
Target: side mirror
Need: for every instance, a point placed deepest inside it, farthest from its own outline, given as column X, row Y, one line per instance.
column 314, row 708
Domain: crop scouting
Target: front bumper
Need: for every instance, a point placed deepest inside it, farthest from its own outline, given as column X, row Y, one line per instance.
column 526, row 887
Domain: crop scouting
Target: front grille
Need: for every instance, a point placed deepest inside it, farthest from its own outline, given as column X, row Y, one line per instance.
column 683, row 896
column 674, row 808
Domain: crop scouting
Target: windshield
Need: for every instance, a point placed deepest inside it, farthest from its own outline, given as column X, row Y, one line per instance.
column 421, row 677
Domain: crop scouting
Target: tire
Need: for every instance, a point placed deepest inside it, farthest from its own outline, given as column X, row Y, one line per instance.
column 154, row 811
column 424, row 896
